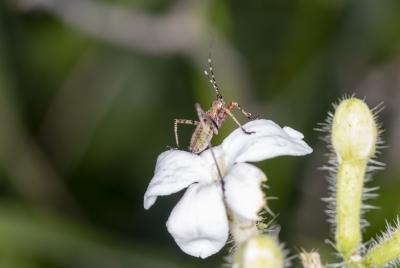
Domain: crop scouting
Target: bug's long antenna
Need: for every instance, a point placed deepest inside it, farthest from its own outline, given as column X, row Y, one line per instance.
column 212, row 79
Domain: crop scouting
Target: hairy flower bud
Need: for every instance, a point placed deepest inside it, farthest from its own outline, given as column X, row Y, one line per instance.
column 258, row 252
column 311, row 260
column 354, row 135
column 354, row 131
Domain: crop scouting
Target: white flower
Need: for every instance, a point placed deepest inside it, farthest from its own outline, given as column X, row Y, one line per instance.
column 199, row 222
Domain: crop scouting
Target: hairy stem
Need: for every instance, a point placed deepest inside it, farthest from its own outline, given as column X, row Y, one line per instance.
column 350, row 180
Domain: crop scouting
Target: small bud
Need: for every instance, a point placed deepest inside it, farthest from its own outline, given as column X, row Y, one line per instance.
column 258, row 252
column 311, row 260
column 354, row 131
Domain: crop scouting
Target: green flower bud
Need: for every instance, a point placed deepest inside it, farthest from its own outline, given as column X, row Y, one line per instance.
column 259, row 251
column 354, row 135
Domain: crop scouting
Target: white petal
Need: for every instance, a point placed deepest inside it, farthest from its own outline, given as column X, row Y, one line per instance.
column 175, row 170
column 199, row 223
column 268, row 141
column 243, row 190
column 293, row 133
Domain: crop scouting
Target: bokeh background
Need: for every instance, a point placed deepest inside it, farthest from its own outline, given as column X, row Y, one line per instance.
column 89, row 91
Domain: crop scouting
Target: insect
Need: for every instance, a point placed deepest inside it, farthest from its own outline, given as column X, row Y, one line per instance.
column 212, row 119
column 201, row 115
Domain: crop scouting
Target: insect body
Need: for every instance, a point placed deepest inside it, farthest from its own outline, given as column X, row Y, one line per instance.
column 212, row 120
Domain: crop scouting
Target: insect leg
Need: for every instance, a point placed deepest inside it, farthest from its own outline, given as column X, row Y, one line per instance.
column 203, row 118
column 237, row 122
column 241, row 109
column 182, row 121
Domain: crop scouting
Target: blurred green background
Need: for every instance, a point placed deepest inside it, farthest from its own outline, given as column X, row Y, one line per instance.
column 89, row 91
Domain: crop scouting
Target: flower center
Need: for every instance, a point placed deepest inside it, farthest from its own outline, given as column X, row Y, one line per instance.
column 222, row 169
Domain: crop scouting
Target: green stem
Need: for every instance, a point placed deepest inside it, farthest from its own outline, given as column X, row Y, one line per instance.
column 385, row 252
column 350, row 179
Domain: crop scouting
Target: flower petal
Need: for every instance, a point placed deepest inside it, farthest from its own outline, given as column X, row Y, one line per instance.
column 199, row 223
column 268, row 141
column 175, row 170
column 243, row 190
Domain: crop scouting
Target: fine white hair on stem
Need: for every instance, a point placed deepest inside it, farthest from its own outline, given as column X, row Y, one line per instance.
column 333, row 161
column 348, row 145
column 385, row 235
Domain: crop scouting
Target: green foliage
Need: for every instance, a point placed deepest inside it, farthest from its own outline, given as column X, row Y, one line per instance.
column 88, row 96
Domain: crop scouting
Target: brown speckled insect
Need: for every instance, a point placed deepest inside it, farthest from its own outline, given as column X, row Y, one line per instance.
column 203, row 132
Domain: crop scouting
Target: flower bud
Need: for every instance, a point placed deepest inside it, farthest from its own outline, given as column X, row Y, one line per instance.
column 354, row 135
column 311, row 260
column 354, row 131
column 258, row 252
